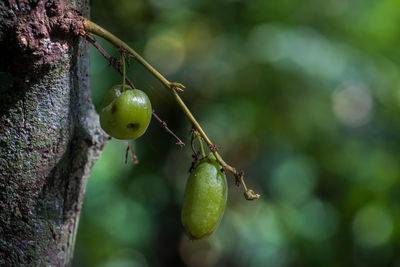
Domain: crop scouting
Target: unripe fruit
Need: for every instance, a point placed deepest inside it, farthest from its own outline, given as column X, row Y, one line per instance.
column 205, row 199
column 125, row 114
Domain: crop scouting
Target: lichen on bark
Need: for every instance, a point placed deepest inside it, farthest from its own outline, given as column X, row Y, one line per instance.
column 49, row 132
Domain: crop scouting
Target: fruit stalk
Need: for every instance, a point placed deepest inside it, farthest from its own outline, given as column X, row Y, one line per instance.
column 123, row 70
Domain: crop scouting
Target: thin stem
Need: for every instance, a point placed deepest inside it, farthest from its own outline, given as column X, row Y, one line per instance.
column 200, row 140
column 243, row 183
column 123, row 70
column 92, row 27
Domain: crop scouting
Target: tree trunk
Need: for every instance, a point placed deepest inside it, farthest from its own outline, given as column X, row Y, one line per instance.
column 49, row 132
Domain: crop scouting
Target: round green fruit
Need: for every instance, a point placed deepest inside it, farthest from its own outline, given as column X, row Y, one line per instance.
column 125, row 114
column 204, row 199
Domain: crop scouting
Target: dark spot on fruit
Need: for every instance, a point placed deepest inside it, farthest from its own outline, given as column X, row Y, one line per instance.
column 133, row 126
column 113, row 108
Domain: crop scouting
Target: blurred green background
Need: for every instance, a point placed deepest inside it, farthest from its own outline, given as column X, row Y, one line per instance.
column 304, row 96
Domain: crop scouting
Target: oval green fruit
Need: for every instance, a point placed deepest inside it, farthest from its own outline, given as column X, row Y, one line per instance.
column 125, row 114
column 204, row 199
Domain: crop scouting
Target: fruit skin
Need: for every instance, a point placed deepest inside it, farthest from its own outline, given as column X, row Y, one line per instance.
column 204, row 199
column 125, row 114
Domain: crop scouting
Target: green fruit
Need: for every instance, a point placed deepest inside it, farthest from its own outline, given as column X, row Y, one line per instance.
column 125, row 114
column 205, row 199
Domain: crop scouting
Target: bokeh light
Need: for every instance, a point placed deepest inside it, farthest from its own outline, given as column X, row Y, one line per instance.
column 352, row 105
column 161, row 49
column 372, row 226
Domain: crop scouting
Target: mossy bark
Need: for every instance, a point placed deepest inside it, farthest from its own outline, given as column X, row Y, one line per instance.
column 49, row 132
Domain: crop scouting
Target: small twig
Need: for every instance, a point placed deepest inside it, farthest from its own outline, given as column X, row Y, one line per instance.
column 164, row 124
column 129, row 148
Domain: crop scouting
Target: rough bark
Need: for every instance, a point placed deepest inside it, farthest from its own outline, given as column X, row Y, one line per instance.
column 49, row 132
